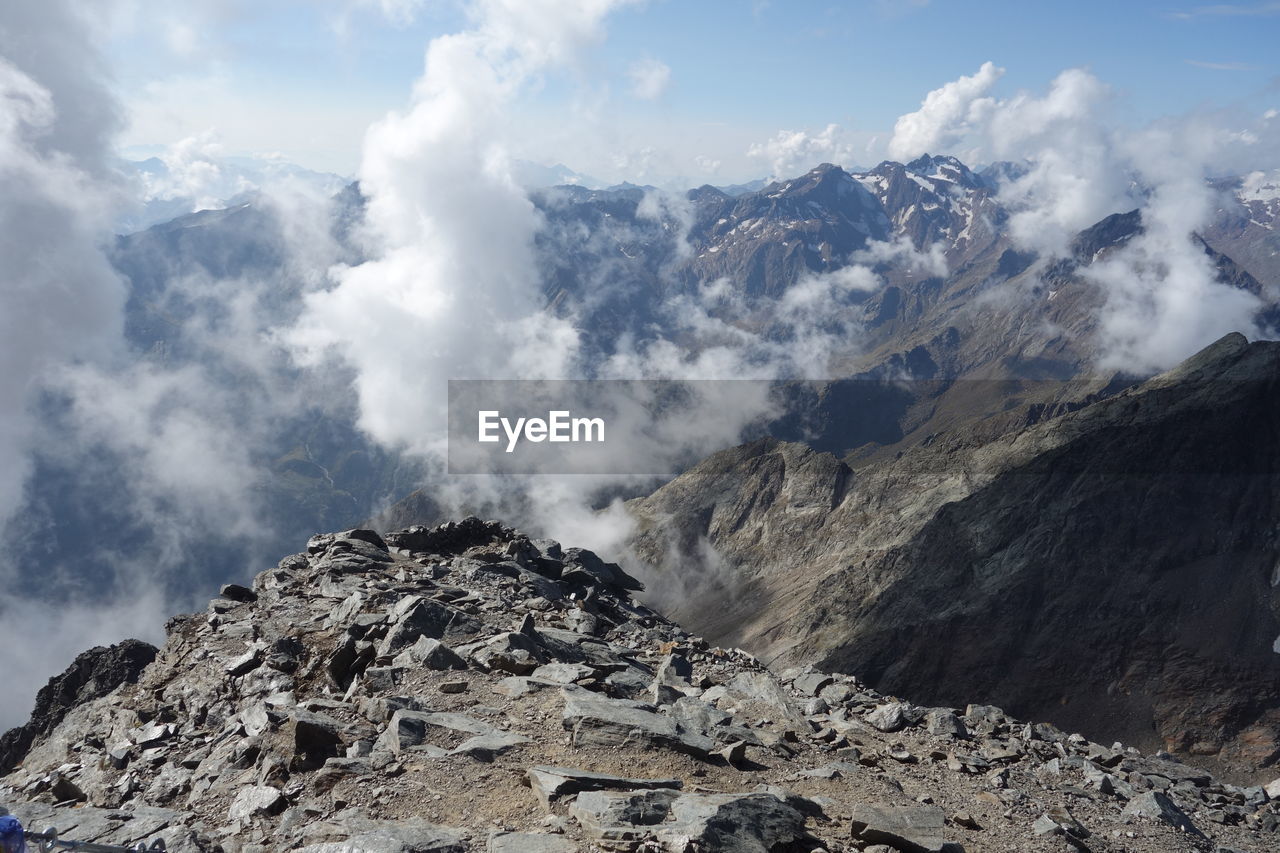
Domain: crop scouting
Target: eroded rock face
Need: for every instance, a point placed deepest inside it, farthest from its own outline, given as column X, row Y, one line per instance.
column 92, row 674
column 629, row 733
column 1112, row 568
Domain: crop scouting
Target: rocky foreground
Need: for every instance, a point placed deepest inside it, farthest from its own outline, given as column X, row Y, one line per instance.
column 466, row 688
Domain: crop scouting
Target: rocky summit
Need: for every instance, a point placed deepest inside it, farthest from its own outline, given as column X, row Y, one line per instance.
column 467, row 688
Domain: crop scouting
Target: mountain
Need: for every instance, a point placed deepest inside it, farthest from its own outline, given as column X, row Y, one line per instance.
column 1109, row 566
column 765, row 240
column 465, row 688
column 999, row 337
column 534, row 176
column 189, row 181
column 742, row 189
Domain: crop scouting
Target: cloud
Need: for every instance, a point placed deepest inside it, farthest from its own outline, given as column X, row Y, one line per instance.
column 1220, row 66
column 900, row 7
column 1161, row 297
column 1229, row 10
column 1073, row 179
column 449, row 232
column 400, row 12
column 193, row 170
column 945, row 115
column 61, row 300
column 650, row 78
column 791, row 152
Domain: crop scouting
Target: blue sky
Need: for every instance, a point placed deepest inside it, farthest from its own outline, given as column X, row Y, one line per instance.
column 305, row 78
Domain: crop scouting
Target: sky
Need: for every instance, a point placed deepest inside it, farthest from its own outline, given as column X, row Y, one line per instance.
column 672, row 91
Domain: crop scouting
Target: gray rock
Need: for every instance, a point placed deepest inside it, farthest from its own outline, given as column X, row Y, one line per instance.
column 527, row 842
column 513, row 652
column 412, row 730
column 763, row 688
column 236, row 592
column 597, row 721
column 942, row 722
column 245, row 663
column 404, row 837
column 911, row 829
column 562, row 673
column 430, row 653
column 550, row 784
column 584, row 567
column 413, row 617
column 315, row 738
column 1157, row 806
column 285, row 654
column 889, row 718
column 727, row 823
column 812, row 683
column 1058, row 820
column 253, row 800
column 620, row 817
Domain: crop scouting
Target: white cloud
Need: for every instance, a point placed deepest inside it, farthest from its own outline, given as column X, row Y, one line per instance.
column 650, row 78
column 1220, row 66
column 1230, row 10
column 792, row 152
column 449, row 231
column 1161, row 299
column 945, row 115
column 61, row 300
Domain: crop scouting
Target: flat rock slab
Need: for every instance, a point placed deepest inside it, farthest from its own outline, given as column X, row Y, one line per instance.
column 410, row 731
column 726, row 823
column 529, row 842
column 555, row 783
column 911, row 829
column 109, row 826
column 396, row 838
column 599, row 721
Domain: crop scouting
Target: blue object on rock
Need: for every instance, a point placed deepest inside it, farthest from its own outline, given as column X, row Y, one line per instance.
column 12, row 838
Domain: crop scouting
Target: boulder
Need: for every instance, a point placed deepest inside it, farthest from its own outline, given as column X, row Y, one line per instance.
column 431, row 654
column 1156, row 806
column 253, row 800
column 598, row 721
column 911, row 829
column 726, row 823
column 890, row 717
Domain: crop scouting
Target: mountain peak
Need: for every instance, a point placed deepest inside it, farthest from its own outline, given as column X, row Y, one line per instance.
column 947, row 168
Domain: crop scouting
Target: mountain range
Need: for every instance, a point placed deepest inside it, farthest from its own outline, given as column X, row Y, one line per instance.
column 969, row 506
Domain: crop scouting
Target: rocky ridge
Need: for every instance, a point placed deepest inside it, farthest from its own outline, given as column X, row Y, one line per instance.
column 468, row 688
column 1110, row 567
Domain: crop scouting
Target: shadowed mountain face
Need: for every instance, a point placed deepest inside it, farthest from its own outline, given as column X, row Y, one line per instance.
column 1112, row 569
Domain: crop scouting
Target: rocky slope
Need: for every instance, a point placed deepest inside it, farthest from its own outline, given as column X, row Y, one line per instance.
column 465, row 688
column 1112, row 568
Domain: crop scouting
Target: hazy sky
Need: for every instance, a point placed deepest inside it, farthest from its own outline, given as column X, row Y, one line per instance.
column 676, row 89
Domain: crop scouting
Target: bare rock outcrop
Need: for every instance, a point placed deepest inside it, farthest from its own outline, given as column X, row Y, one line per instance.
column 529, row 703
